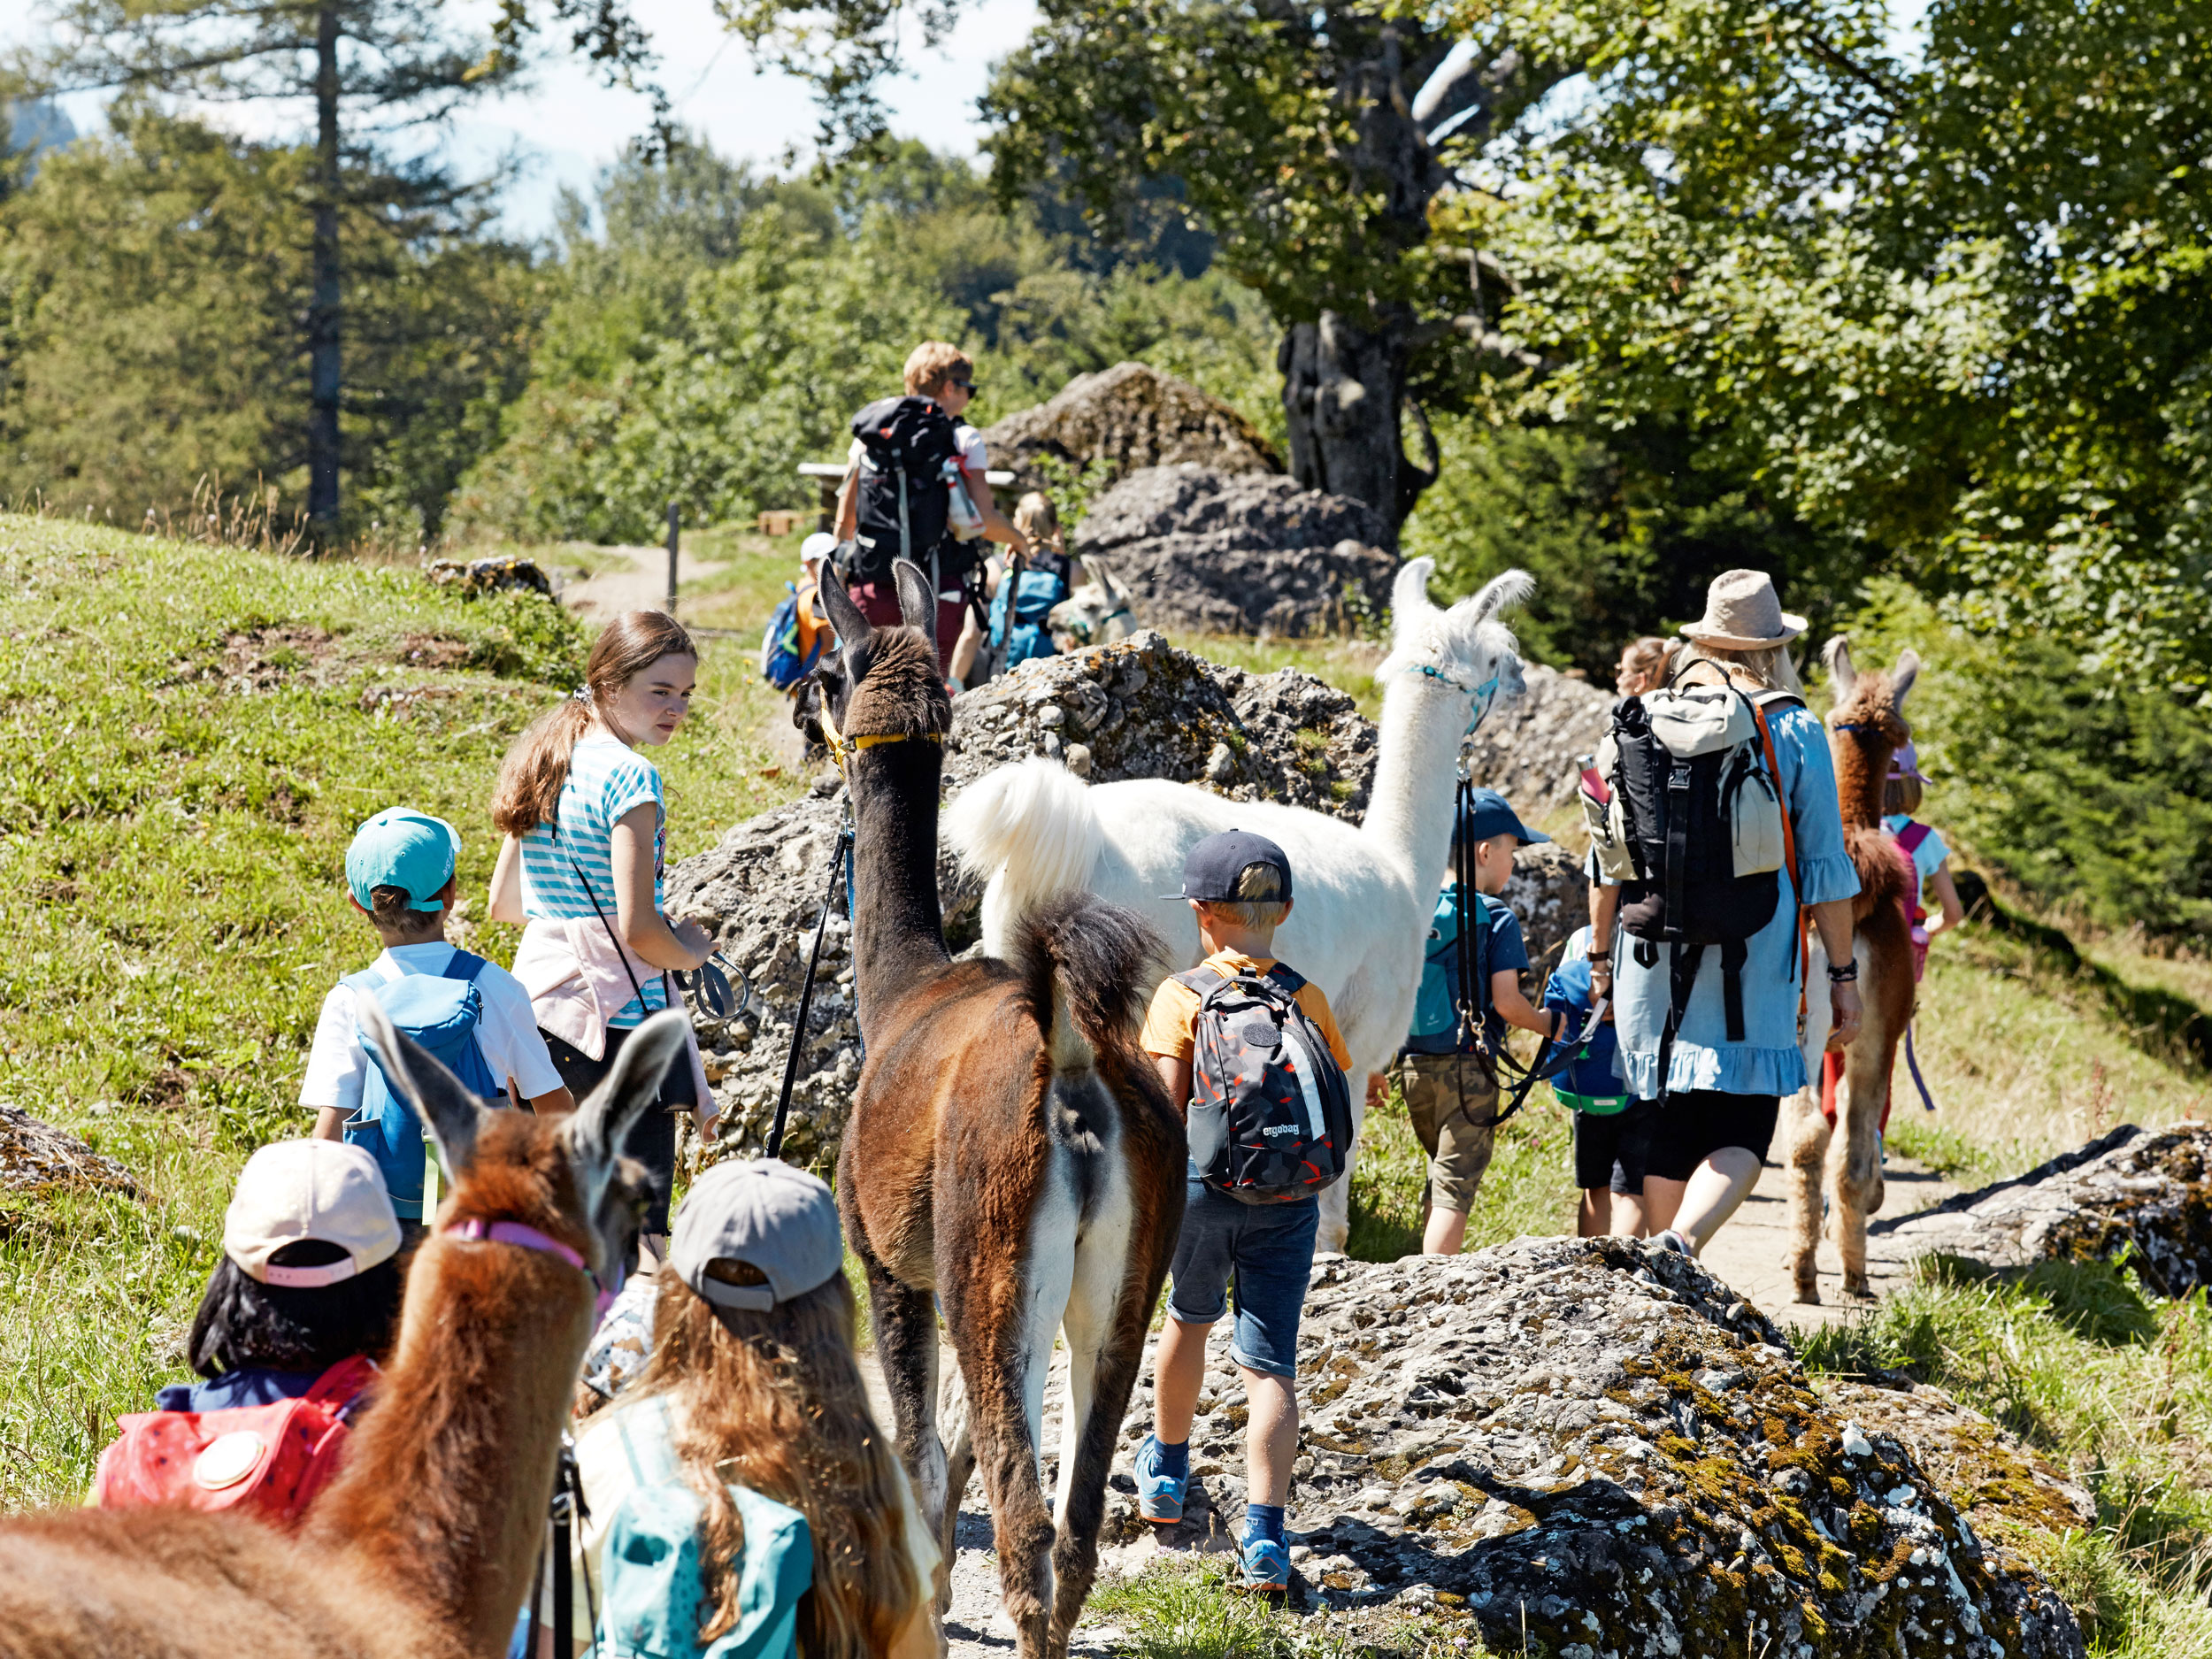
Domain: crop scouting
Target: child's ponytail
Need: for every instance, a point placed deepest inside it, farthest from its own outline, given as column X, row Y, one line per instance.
column 535, row 768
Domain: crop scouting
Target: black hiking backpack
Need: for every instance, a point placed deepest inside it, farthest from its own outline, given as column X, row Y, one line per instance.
column 904, row 499
column 1270, row 1113
column 1696, row 831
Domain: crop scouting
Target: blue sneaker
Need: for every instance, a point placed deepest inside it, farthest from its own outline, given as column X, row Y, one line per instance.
column 1159, row 1495
column 1266, row 1565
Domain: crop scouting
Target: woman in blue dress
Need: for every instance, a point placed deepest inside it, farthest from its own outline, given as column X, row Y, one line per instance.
column 1711, row 1135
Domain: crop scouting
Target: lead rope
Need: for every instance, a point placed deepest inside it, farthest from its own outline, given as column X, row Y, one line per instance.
column 806, row 990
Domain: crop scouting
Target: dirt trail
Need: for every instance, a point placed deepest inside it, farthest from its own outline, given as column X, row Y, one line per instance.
column 641, row 587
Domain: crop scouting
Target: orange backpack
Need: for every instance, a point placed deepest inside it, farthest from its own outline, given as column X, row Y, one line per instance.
column 271, row 1459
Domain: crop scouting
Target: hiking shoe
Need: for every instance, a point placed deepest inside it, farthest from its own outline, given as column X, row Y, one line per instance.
column 1159, row 1495
column 1670, row 1240
column 1266, row 1565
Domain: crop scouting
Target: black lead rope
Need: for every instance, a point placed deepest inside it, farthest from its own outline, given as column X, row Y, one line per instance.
column 806, row 989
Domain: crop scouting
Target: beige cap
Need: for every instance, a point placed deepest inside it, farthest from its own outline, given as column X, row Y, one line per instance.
column 1743, row 613
column 292, row 1190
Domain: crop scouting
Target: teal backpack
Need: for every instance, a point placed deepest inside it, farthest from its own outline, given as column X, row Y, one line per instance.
column 441, row 1011
column 1435, row 1008
column 651, row 1584
column 1018, row 613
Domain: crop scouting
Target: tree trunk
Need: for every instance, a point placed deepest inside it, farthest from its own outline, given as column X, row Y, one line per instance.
column 323, row 307
column 1344, row 393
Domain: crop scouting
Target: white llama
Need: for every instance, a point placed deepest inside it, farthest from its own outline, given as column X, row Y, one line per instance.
column 1363, row 897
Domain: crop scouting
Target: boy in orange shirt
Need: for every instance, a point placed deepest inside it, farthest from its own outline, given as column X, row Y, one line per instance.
column 1258, row 1229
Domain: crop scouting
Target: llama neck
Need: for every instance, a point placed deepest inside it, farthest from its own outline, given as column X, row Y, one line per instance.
column 898, row 929
column 1862, row 777
column 1409, row 813
column 444, row 1495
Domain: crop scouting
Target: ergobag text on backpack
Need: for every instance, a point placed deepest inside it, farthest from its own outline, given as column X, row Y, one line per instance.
column 441, row 1012
column 650, row 1570
column 1270, row 1113
column 1696, row 831
column 910, row 459
column 270, row 1460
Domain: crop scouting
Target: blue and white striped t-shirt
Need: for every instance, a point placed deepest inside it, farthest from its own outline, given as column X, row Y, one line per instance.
column 607, row 780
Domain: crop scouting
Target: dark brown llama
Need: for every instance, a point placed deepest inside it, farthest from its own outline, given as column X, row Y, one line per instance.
column 423, row 1547
column 1844, row 1158
column 1011, row 1154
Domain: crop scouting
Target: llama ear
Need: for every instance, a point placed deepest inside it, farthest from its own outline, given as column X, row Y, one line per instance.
column 1117, row 589
column 447, row 1109
column 917, row 604
column 1410, row 598
column 1901, row 681
column 1502, row 593
column 1841, row 674
column 597, row 1128
column 1095, row 567
column 853, row 631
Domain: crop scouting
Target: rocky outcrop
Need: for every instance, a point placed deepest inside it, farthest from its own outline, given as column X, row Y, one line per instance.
column 1121, row 419
column 1573, row 1446
column 1525, row 750
column 1218, row 552
column 36, row 1157
column 2149, row 1191
column 472, row 577
column 1141, row 707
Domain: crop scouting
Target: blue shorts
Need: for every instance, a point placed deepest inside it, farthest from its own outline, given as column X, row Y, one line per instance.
column 1268, row 1248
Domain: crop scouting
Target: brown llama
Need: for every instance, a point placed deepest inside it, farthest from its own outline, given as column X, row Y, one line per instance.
column 1011, row 1154
column 1866, row 727
column 425, row 1545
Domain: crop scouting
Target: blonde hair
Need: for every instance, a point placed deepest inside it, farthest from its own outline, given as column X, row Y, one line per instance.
column 773, row 1401
column 1259, row 902
column 1901, row 795
column 1035, row 516
column 536, row 765
column 1768, row 667
column 930, row 365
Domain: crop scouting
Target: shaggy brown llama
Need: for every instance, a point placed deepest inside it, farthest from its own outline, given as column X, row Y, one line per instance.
column 1843, row 1159
column 1011, row 1154
column 424, row 1546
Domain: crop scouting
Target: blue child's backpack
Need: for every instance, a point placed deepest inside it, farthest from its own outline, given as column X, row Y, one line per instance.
column 649, row 1570
column 784, row 662
column 1588, row 1084
column 1436, row 1005
column 441, row 1012
column 1030, row 598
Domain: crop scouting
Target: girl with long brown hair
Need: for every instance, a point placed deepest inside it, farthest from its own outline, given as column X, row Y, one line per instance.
column 586, row 833
column 753, row 1384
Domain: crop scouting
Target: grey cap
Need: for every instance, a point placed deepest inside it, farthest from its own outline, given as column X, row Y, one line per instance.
column 767, row 1214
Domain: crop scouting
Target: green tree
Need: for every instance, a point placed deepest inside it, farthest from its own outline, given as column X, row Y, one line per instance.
column 363, row 67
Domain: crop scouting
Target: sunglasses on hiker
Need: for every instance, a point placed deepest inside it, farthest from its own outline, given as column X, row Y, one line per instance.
column 965, row 386
column 708, row 988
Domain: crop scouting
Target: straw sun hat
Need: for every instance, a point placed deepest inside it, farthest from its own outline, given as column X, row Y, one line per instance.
column 1742, row 613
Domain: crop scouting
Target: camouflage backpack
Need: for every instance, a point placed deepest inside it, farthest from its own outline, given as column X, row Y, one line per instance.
column 1270, row 1113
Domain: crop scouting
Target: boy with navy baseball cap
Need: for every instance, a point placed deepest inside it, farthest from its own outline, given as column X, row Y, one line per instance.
column 400, row 873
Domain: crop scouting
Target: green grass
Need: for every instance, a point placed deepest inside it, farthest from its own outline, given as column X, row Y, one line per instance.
column 191, row 734
column 1529, row 1187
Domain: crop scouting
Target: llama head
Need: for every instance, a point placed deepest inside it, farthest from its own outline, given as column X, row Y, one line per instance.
column 1096, row 613
column 1465, row 652
column 566, row 1177
column 879, row 682
column 1871, row 705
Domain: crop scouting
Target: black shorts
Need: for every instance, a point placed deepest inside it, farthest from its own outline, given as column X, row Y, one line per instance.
column 652, row 1139
column 1688, row 1128
column 1611, row 1151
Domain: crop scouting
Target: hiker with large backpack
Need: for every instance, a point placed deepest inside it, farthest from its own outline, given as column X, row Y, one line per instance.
column 741, row 1502
column 1253, row 1060
column 915, row 476
column 1716, row 836
column 303, row 1302
column 470, row 1013
column 581, row 869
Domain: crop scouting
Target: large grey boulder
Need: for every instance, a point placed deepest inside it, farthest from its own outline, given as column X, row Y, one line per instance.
column 1586, row 1448
column 1122, row 419
column 1216, row 552
column 2149, row 1193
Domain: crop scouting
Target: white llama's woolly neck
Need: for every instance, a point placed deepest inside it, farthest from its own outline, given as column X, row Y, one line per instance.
column 1409, row 816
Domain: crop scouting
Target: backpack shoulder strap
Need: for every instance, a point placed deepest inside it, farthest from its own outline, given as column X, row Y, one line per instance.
column 343, row 1382
column 367, row 979
column 464, row 967
column 1789, row 854
column 1910, row 837
column 1287, row 977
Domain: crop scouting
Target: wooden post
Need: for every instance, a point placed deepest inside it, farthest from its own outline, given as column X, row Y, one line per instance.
column 672, row 558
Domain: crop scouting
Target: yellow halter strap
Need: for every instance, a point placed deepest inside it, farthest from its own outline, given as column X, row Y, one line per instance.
column 841, row 747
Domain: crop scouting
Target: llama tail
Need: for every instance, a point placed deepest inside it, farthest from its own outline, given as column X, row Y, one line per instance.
column 1088, row 969
column 1029, row 830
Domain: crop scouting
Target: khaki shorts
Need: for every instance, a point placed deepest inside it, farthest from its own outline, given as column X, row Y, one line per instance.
column 1451, row 1103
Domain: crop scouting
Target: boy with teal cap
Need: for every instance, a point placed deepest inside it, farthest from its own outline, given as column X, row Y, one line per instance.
column 471, row 1013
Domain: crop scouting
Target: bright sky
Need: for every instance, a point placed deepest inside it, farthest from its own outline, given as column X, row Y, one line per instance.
column 568, row 126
